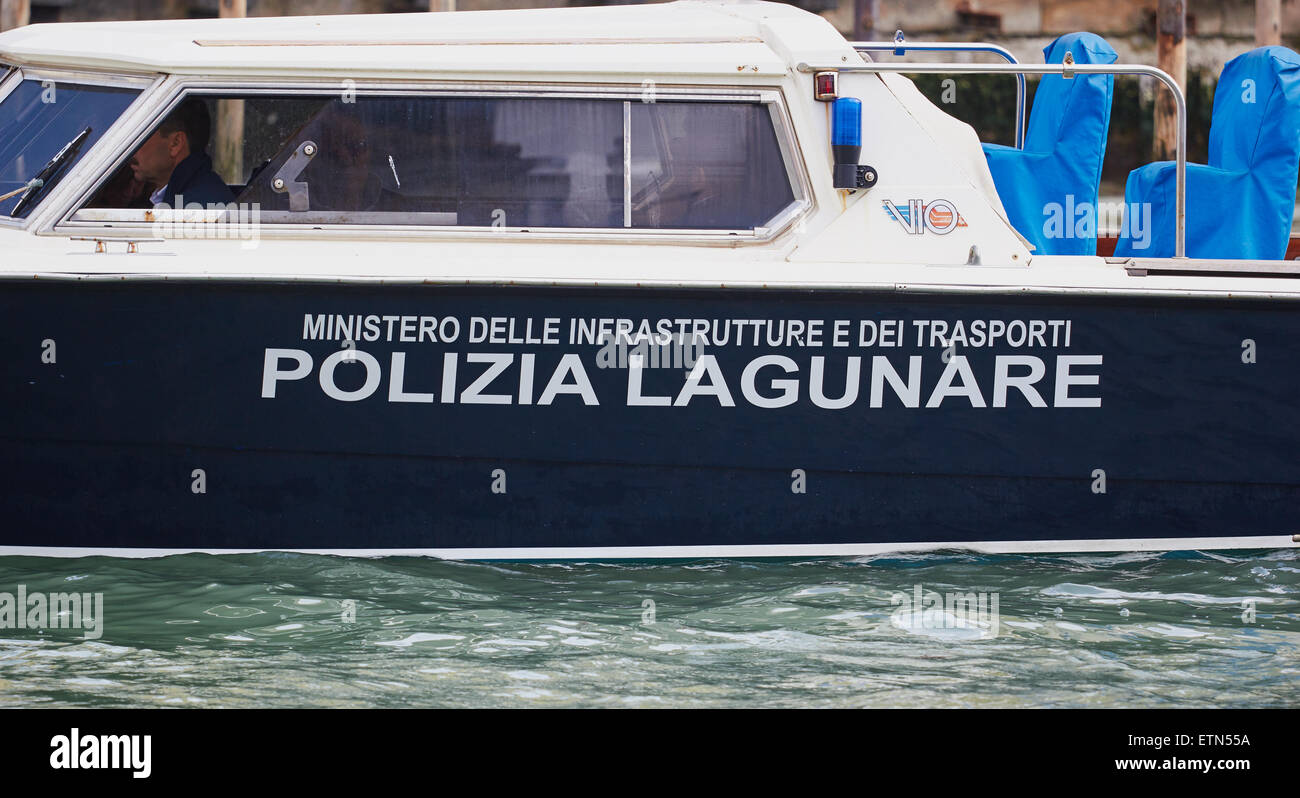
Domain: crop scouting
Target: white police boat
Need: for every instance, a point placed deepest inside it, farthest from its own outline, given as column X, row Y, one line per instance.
column 699, row 279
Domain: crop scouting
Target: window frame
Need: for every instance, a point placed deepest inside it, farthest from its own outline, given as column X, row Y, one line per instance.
column 166, row 97
column 84, row 165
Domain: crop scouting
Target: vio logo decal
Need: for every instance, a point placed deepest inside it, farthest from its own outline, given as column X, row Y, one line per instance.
column 937, row 216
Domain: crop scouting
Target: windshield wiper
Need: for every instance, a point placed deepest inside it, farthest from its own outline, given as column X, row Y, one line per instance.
column 31, row 184
column 47, row 173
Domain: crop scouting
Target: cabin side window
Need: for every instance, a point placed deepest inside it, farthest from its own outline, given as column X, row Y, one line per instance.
column 705, row 165
column 503, row 162
column 471, row 162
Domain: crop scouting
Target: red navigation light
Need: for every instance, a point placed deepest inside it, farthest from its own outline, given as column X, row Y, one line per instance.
column 824, row 86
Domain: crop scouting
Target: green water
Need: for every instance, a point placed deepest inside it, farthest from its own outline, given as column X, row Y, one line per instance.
column 281, row 630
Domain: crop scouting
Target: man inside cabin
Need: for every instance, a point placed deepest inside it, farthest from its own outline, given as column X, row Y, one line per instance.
column 175, row 159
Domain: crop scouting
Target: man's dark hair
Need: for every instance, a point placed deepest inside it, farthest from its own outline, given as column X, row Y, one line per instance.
column 192, row 118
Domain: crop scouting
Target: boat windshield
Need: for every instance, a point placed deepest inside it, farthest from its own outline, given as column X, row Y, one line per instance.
column 45, row 127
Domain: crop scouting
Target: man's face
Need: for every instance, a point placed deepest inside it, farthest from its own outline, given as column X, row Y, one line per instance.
column 154, row 161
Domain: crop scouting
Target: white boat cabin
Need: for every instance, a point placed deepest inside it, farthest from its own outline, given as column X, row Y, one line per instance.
column 672, row 144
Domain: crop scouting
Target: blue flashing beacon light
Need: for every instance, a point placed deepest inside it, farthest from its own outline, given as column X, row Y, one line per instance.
column 846, row 141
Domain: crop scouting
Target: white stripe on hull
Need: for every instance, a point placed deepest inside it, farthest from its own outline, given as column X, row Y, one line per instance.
column 709, row 552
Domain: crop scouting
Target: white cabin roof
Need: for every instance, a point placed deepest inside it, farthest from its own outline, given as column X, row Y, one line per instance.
column 732, row 38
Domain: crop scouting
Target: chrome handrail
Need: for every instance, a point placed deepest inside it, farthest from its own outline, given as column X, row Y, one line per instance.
column 1064, row 70
column 900, row 47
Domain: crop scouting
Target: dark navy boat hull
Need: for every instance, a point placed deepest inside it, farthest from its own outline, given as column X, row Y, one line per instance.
column 151, row 429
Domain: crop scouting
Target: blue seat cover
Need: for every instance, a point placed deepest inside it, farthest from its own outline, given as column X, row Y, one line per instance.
column 1240, row 204
column 1064, row 148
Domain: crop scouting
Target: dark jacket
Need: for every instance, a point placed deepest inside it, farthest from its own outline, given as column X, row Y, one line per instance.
column 194, row 181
